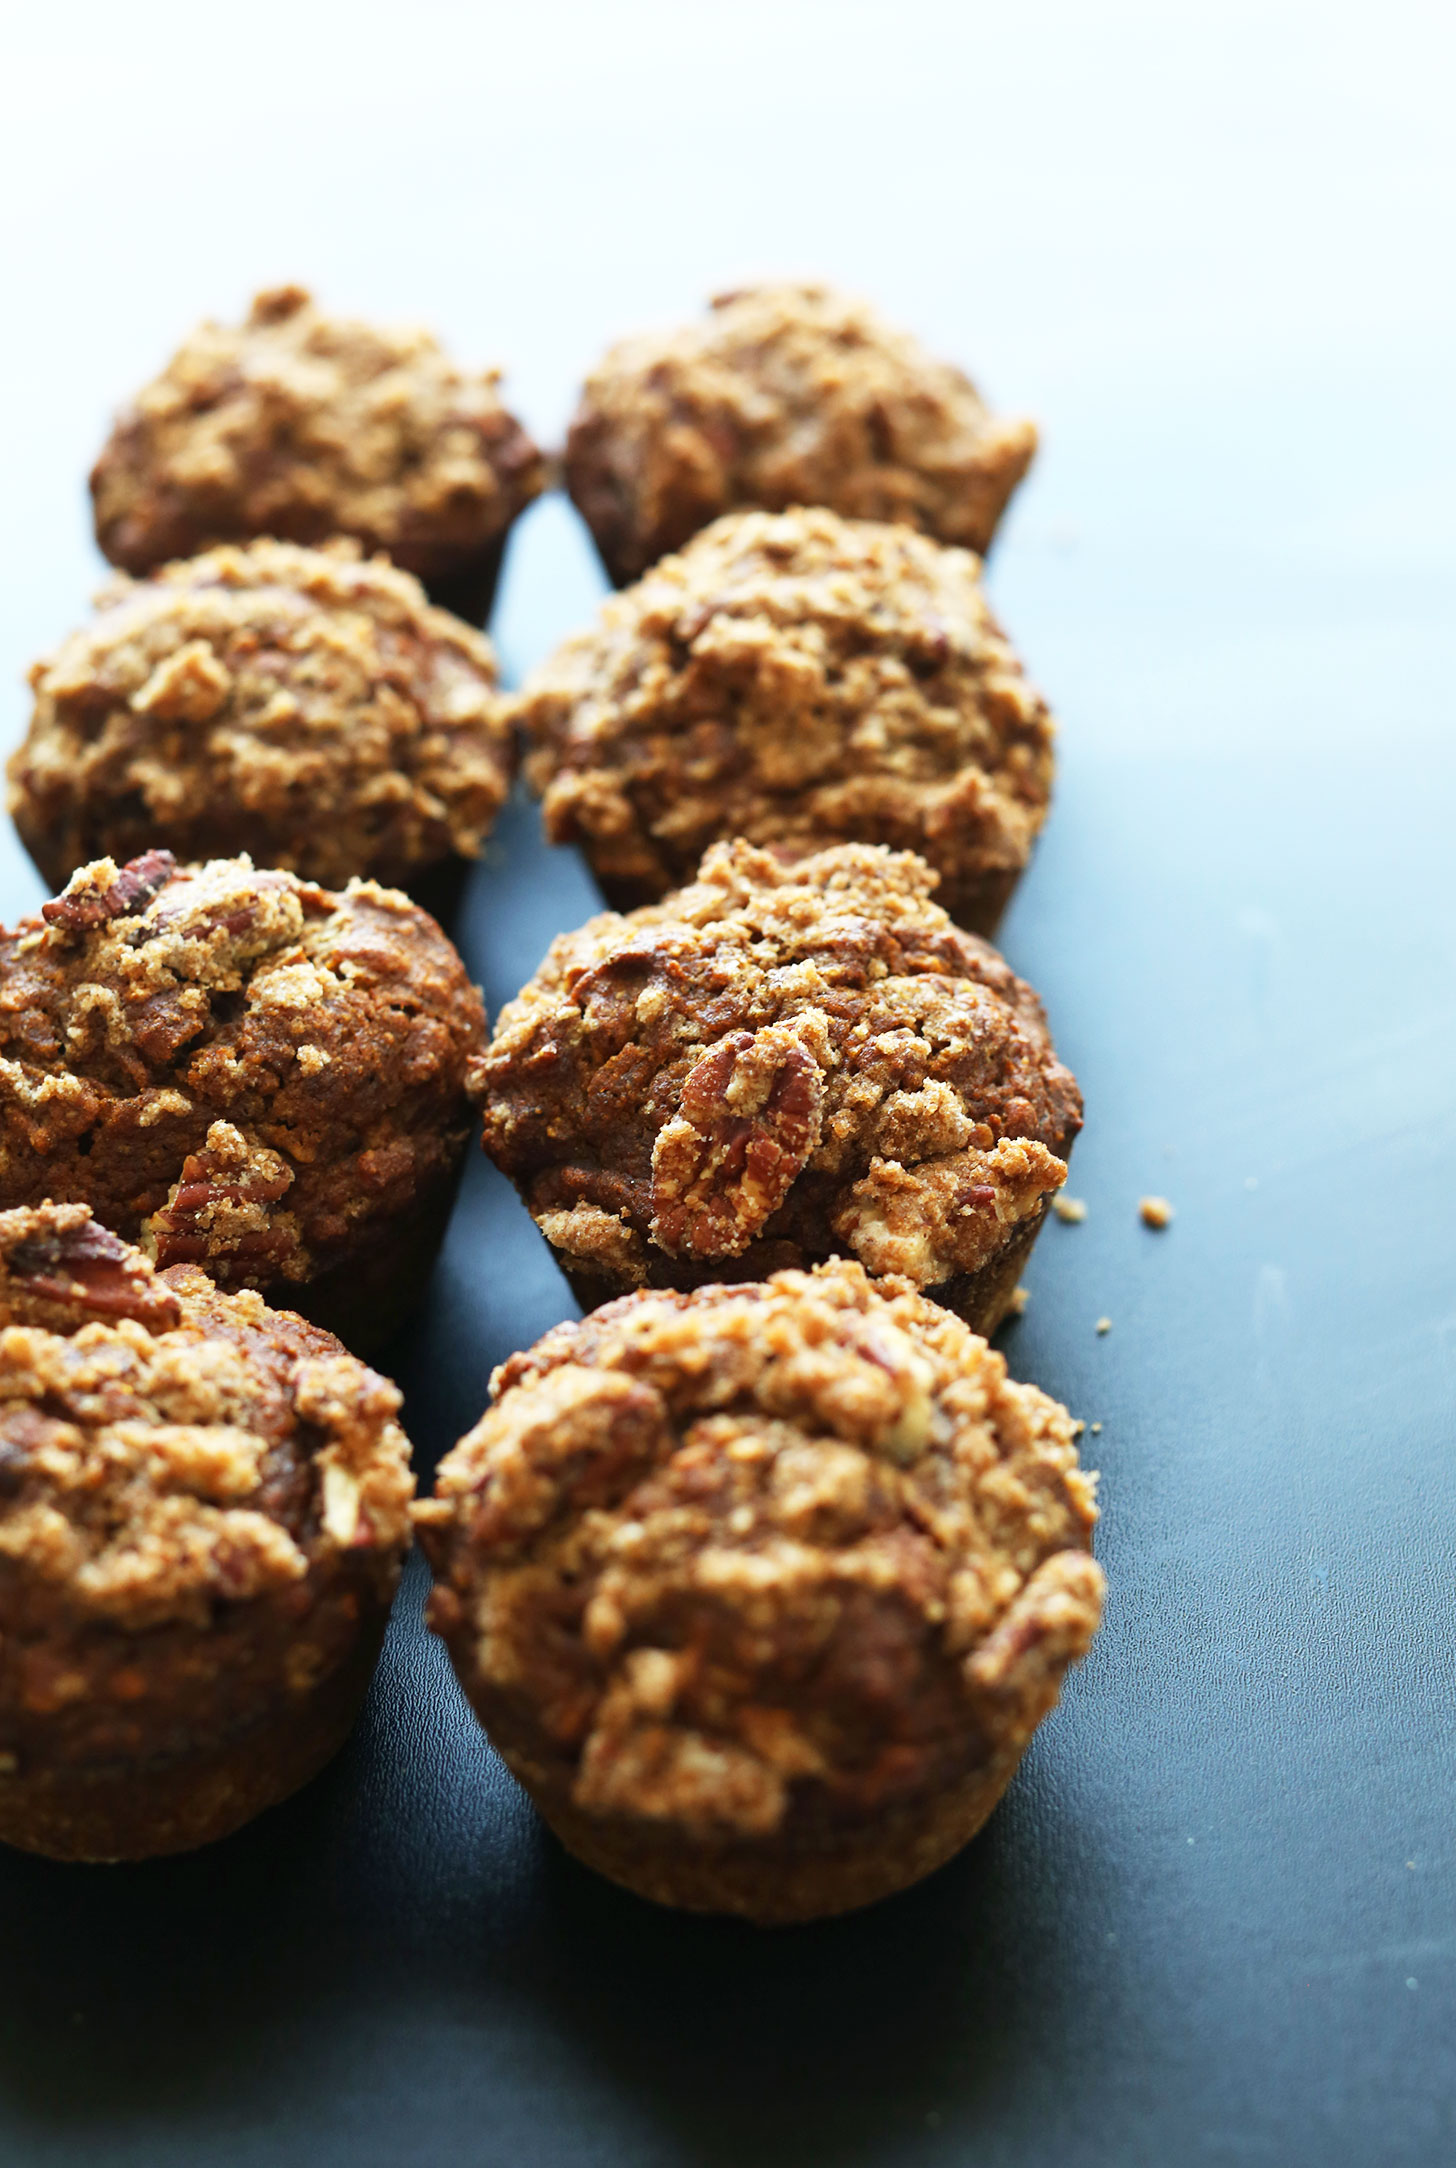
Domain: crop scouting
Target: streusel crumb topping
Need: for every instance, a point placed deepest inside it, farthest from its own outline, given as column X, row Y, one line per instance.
column 708, row 1551
column 304, row 425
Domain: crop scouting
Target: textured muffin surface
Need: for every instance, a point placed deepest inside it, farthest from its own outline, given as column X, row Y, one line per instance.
column 784, row 395
column 298, row 704
column 303, row 425
column 797, row 679
column 775, row 1064
column 197, row 1495
column 241, row 1070
column 743, row 1562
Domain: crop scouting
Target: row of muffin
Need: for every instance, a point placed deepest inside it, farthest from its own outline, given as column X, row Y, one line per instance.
column 793, row 676
column 760, row 1588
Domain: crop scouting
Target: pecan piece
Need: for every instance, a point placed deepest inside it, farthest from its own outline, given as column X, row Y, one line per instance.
column 83, row 904
column 747, row 1126
column 220, row 1214
column 66, row 1269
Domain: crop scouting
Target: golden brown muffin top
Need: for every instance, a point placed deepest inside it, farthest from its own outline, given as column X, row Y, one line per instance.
column 797, row 679
column 300, row 704
column 165, row 1447
column 303, row 425
column 809, row 1053
column 713, row 1550
column 242, row 1070
column 784, row 395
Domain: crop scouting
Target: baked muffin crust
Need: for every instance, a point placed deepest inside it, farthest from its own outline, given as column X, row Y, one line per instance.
column 784, row 395
column 302, row 425
column 298, row 704
column 774, row 1065
column 203, row 1508
column 746, row 1583
column 797, row 679
column 239, row 1070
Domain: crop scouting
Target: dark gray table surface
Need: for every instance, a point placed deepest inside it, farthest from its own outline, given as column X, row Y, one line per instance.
column 1215, row 1919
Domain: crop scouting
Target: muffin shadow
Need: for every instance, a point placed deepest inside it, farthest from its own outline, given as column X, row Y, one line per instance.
column 828, row 2041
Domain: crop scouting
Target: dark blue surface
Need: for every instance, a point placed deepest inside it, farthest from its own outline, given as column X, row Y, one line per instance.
column 1215, row 1919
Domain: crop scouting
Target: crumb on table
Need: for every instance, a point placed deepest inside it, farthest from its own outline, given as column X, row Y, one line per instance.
column 1104, row 1324
column 1070, row 1209
column 1155, row 1212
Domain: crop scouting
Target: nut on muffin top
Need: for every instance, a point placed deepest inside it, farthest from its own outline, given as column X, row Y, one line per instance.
column 731, row 1559
column 784, row 395
column 239, row 1069
column 165, row 1447
column 797, row 679
column 300, row 704
column 777, row 1063
column 303, row 425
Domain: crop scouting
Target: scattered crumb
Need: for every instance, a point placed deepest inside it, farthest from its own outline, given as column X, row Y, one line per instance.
column 1096, row 1427
column 1020, row 1297
column 1155, row 1212
column 1078, row 1426
column 1070, row 1209
column 1104, row 1324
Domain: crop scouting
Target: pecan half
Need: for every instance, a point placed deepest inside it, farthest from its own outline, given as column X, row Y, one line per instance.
column 82, row 905
column 66, row 1269
column 747, row 1126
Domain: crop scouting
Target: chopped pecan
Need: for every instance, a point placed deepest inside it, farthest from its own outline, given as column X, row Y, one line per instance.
column 82, row 904
column 219, row 1213
column 748, row 1124
column 79, row 1269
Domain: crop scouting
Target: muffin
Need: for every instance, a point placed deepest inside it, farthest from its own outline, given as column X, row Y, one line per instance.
column 761, row 1591
column 203, row 1508
column 297, row 704
column 302, row 425
column 797, row 679
column 243, row 1072
column 776, row 1065
column 784, row 395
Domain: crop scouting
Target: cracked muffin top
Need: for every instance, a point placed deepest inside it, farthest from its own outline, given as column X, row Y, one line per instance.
column 303, row 425
column 777, row 1063
column 165, row 1447
column 299, row 704
column 236, row 1068
column 784, row 395
column 797, row 679
column 714, row 1559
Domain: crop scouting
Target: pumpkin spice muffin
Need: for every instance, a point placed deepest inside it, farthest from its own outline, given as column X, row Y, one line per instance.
column 761, row 1591
column 784, row 395
column 303, row 426
column 797, row 679
column 775, row 1065
column 203, row 1509
column 244, row 1072
column 298, row 704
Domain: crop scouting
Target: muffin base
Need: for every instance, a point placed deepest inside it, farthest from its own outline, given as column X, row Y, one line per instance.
column 777, row 1883
column 366, row 1300
column 111, row 1811
column 982, row 1298
column 468, row 591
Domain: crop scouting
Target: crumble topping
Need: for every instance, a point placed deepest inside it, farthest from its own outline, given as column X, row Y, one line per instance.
column 796, row 679
column 304, row 425
column 808, row 1055
column 705, row 1551
column 301, row 704
column 164, row 1446
column 230, row 1065
column 784, row 395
